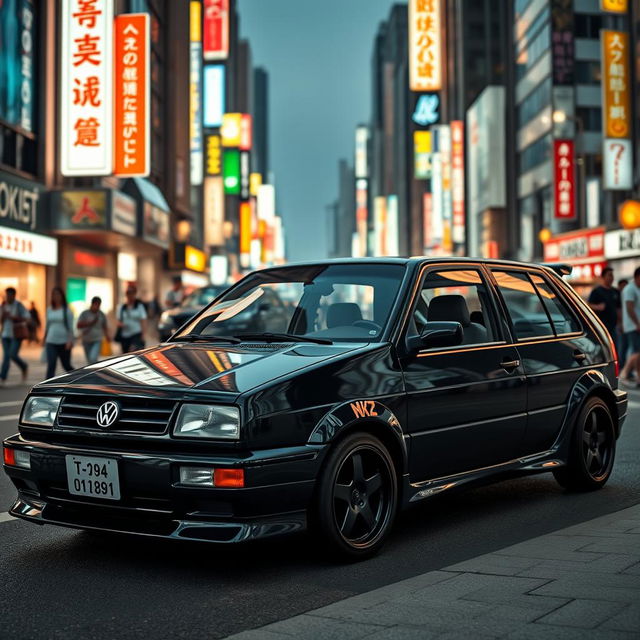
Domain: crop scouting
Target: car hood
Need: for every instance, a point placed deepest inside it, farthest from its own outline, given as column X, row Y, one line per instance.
column 232, row 369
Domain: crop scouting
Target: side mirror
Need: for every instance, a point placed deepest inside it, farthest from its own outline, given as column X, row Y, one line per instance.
column 437, row 334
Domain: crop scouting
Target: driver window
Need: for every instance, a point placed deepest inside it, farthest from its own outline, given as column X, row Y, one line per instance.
column 347, row 303
column 455, row 296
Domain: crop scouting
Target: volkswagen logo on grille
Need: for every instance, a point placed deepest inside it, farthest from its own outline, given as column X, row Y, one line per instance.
column 107, row 413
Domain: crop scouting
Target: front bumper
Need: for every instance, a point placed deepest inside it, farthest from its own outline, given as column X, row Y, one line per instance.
column 277, row 492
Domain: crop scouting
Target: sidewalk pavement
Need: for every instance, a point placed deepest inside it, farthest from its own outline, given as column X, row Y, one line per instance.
column 581, row 582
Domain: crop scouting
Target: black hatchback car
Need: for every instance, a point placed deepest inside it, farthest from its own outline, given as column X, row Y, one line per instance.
column 393, row 380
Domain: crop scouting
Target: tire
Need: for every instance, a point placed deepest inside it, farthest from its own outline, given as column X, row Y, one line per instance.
column 592, row 449
column 356, row 498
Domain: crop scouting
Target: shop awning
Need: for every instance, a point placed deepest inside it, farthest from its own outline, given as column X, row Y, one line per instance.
column 148, row 191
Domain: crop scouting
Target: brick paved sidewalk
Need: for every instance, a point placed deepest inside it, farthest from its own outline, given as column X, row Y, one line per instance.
column 582, row 582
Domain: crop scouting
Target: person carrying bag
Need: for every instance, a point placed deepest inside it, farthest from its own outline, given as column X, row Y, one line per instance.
column 132, row 322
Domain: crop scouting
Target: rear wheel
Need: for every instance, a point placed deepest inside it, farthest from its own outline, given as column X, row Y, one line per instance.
column 592, row 449
column 357, row 497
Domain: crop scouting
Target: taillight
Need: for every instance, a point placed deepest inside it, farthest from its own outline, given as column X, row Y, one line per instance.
column 9, row 457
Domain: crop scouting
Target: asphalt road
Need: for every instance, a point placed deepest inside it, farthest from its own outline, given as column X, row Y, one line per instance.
column 59, row 583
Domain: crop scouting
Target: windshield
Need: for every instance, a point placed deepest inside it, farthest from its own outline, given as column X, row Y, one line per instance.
column 337, row 302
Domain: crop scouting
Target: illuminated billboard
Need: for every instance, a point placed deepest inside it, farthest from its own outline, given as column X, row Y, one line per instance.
column 214, row 95
column 425, row 45
column 86, row 88
column 216, row 29
column 131, row 95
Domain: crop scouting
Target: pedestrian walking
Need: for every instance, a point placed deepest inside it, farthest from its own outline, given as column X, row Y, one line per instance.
column 58, row 335
column 35, row 324
column 92, row 324
column 15, row 328
column 623, row 342
column 132, row 322
column 605, row 301
column 631, row 327
column 175, row 295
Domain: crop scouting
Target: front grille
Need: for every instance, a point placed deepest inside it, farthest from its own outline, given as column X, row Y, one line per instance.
column 137, row 415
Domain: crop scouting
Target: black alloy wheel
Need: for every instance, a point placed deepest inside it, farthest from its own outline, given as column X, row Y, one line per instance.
column 357, row 496
column 593, row 449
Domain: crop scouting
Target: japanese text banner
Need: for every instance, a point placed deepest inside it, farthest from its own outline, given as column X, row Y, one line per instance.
column 86, row 76
column 131, row 95
column 425, row 45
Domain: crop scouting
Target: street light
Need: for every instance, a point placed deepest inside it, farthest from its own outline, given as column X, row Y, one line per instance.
column 560, row 117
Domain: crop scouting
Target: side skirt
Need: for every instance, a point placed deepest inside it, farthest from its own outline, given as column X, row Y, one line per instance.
column 536, row 463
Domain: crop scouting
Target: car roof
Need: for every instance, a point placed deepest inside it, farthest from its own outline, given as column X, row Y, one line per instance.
column 413, row 261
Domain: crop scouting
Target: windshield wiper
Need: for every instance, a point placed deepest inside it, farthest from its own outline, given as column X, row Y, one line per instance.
column 281, row 337
column 197, row 337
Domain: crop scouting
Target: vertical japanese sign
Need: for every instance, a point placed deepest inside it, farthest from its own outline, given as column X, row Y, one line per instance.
column 425, row 45
column 216, row 29
column 195, row 92
column 86, row 88
column 131, row 95
column 615, row 84
column 562, row 42
column 457, row 180
column 565, row 180
column 617, row 164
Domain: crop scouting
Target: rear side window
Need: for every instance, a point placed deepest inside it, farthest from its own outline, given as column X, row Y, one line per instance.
column 563, row 320
column 535, row 309
column 528, row 316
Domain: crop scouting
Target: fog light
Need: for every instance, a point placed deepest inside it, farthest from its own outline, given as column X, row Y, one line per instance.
column 196, row 476
column 230, row 478
column 17, row 458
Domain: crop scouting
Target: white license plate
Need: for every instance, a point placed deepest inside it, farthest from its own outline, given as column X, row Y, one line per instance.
column 94, row 477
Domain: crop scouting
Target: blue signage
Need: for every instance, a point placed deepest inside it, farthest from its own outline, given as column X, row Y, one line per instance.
column 427, row 110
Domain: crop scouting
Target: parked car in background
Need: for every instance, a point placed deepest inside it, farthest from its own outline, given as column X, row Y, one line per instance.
column 327, row 396
column 174, row 318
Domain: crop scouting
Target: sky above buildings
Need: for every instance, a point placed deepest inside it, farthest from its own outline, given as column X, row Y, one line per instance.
column 318, row 56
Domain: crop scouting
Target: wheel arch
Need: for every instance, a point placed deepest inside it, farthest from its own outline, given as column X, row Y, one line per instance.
column 368, row 416
column 592, row 383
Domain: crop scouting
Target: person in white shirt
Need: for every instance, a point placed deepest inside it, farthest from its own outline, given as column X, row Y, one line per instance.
column 58, row 336
column 175, row 295
column 132, row 322
column 631, row 327
column 92, row 324
column 15, row 328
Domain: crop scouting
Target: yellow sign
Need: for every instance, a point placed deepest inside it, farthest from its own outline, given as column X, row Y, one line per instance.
column 422, row 141
column 425, row 45
column 614, row 6
column 195, row 259
column 616, row 101
column 214, row 156
column 195, row 21
column 246, row 232
column 231, row 129
column 255, row 180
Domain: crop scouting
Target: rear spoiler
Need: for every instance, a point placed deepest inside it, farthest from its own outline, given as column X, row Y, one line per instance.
column 560, row 268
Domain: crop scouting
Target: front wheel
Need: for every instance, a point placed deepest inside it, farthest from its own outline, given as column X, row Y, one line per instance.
column 592, row 449
column 357, row 497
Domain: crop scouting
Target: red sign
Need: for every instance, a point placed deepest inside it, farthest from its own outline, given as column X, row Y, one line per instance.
column 457, row 180
column 246, row 132
column 215, row 35
column 577, row 247
column 131, row 94
column 565, row 179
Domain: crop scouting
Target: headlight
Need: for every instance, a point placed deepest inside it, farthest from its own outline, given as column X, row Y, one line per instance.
column 40, row 411
column 207, row 421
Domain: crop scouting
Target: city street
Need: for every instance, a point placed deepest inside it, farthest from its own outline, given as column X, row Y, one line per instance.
column 60, row 583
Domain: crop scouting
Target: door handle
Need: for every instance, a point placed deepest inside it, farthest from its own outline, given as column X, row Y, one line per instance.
column 579, row 356
column 510, row 365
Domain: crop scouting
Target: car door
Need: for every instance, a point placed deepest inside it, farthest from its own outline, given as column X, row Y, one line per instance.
column 554, row 345
column 466, row 404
